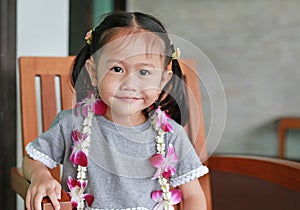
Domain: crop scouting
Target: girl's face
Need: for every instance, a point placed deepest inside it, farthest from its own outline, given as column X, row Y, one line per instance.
column 130, row 75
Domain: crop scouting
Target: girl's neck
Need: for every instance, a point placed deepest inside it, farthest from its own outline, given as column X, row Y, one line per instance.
column 130, row 121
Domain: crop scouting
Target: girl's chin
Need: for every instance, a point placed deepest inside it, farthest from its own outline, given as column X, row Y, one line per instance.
column 126, row 117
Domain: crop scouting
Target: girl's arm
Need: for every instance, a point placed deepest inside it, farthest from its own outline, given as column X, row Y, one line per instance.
column 42, row 184
column 193, row 196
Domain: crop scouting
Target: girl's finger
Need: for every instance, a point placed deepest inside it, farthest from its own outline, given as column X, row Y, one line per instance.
column 54, row 201
column 37, row 200
column 58, row 191
column 28, row 200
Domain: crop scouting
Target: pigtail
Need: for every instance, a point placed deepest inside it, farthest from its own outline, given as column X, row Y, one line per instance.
column 173, row 97
column 80, row 77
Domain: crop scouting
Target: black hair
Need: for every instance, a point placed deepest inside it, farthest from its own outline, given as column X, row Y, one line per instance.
column 172, row 99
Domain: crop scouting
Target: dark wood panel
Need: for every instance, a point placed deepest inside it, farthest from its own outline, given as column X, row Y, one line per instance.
column 119, row 5
column 241, row 192
column 8, row 100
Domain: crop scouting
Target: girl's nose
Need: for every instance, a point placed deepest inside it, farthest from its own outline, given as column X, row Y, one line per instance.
column 129, row 83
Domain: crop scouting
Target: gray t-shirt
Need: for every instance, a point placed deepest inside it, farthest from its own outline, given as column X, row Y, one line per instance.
column 119, row 170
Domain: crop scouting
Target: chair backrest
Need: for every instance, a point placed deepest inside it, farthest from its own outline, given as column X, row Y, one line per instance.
column 195, row 127
column 45, row 70
column 44, row 87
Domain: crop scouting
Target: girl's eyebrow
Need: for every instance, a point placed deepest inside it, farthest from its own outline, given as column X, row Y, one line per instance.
column 112, row 60
column 146, row 64
column 115, row 61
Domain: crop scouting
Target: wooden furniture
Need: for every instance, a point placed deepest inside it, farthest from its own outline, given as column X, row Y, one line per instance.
column 285, row 124
column 230, row 177
column 249, row 182
column 40, row 73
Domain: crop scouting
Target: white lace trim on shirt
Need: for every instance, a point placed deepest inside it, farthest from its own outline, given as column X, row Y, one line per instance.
column 194, row 174
column 137, row 208
column 37, row 155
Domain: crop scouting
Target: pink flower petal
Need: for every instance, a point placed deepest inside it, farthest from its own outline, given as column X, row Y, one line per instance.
column 76, row 135
column 172, row 154
column 72, row 158
column 99, row 107
column 80, row 159
column 74, row 203
column 176, row 196
column 84, row 110
column 156, row 195
column 77, row 105
column 166, row 174
column 172, row 170
column 71, row 183
column 157, row 159
column 88, row 198
column 168, row 128
column 84, row 184
column 157, row 173
column 159, row 206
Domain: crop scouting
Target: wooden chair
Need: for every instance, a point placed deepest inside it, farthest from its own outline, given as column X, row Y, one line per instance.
column 222, row 186
column 46, row 69
column 251, row 182
column 285, row 124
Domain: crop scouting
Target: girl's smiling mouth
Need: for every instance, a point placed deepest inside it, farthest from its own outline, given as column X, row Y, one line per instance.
column 128, row 99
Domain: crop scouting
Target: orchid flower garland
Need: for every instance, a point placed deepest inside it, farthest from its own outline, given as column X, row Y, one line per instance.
column 165, row 197
column 90, row 106
column 164, row 164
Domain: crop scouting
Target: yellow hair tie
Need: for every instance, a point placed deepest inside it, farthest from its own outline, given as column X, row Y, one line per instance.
column 176, row 54
column 88, row 37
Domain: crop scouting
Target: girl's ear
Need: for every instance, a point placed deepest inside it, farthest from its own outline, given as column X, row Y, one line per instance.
column 91, row 68
column 167, row 75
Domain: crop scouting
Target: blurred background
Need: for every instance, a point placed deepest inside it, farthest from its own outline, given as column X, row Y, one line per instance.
column 254, row 46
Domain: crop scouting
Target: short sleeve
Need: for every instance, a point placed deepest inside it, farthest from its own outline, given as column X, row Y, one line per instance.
column 49, row 147
column 188, row 167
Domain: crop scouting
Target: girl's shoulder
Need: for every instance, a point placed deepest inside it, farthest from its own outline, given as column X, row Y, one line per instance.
column 177, row 128
column 65, row 117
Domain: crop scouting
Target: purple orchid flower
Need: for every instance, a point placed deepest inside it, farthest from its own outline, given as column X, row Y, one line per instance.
column 76, row 192
column 162, row 120
column 157, row 196
column 97, row 106
column 163, row 164
column 78, row 157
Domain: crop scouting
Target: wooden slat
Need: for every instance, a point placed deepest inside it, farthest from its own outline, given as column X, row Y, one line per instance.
column 67, row 92
column 28, row 101
column 48, row 97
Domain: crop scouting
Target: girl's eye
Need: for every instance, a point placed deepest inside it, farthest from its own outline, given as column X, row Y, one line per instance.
column 117, row 69
column 144, row 72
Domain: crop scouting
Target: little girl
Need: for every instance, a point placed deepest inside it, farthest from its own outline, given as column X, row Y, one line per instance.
column 123, row 145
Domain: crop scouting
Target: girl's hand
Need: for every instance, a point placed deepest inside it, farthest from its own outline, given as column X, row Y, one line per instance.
column 42, row 184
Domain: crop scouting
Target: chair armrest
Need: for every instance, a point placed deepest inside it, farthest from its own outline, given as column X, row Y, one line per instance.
column 282, row 172
column 20, row 184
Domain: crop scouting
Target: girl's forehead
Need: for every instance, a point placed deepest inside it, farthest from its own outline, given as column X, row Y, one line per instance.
column 137, row 44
